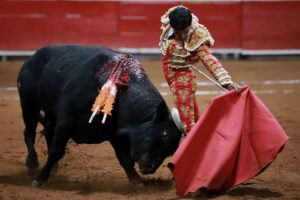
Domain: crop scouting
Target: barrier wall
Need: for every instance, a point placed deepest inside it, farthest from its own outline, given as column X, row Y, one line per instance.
column 238, row 26
column 271, row 25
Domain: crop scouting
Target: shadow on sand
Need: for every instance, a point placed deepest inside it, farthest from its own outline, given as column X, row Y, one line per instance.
column 62, row 183
column 255, row 192
column 241, row 191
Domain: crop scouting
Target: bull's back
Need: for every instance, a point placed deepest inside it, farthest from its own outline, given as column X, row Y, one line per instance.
column 53, row 69
column 63, row 58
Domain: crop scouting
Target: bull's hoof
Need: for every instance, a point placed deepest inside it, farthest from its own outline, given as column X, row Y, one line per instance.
column 36, row 183
column 54, row 169
column 139, row 186
column 32, row 171
column 32, row 165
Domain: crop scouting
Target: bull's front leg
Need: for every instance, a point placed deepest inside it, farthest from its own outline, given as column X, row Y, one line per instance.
column 126, row 161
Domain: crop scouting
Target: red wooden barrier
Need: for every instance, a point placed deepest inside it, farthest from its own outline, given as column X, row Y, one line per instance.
column 224, row 21
column 27, row 25
column 239, row 25
column 271, row 25
column 140, row 23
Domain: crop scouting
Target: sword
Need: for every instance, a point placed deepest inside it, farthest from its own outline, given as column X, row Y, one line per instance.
column 213, row 81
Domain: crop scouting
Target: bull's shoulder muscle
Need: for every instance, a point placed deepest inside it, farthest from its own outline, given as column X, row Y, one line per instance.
column 71, row 74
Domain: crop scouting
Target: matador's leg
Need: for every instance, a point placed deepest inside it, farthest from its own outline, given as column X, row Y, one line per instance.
column 183, row 89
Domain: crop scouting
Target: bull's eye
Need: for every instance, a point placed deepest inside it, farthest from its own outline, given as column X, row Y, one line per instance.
column 165, row 133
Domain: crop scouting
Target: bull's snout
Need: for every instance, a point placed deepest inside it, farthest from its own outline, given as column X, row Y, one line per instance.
column 147, row 167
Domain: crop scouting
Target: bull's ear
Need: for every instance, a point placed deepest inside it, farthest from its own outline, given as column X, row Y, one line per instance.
column 161, row 111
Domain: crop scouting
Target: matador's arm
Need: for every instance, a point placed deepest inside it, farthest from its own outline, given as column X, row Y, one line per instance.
column 214, row 66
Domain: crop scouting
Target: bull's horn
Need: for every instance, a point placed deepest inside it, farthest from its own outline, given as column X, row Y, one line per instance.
column 176, row 119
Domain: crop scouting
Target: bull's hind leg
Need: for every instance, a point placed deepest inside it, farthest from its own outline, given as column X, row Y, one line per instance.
column 49, row 125
column 57, row 150
column 27, row 86
column 49, row 138
column 30, row 117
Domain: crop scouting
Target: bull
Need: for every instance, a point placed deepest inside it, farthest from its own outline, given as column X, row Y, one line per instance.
column 63, row 81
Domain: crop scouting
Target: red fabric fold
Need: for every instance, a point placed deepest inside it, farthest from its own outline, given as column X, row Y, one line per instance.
column 235, row 138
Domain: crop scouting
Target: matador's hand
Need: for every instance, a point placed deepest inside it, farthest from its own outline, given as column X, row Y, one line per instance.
column 233, row 86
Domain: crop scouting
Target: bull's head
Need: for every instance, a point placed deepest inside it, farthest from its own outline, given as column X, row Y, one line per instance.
column 157, row 138
column 145, row 122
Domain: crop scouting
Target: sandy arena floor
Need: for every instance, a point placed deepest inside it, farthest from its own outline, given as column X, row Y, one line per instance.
column 91, row 172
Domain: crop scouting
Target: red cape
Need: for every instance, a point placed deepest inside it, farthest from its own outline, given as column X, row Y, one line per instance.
column 235, row 138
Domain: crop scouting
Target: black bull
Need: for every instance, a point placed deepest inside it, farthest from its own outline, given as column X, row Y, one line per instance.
column 63, row 81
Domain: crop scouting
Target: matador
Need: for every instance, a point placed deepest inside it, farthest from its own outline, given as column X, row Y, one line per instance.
column 184, row 42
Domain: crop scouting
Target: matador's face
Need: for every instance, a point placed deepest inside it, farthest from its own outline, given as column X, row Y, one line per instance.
column 181, row 34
